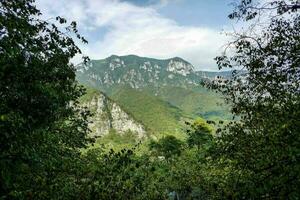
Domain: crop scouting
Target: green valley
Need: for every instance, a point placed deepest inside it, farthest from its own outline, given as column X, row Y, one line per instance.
column 160, row 95
column 128, row 127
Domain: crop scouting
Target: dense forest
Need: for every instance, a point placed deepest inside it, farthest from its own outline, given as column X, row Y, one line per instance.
column 47, row 153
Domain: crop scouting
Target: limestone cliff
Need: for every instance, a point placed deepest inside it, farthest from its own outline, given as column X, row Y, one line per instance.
column 107, row 115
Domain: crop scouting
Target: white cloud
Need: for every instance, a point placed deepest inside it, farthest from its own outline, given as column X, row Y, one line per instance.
column 130, row 29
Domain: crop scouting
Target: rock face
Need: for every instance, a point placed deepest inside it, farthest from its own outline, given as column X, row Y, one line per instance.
column 140, row 72
column 169, row 85
column 137, row 72
column 180, row 67
column 107, row 115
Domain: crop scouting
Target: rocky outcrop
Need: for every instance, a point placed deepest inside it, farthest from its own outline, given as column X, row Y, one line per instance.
column 107, row 115
column 180, row 67
column 137, row 72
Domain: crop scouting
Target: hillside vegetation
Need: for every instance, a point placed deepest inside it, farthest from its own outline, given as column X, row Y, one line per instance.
column 158, row 116
column 195, row 101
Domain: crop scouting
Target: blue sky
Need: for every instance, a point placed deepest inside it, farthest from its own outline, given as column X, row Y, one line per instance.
column 190, row 29
column 211, row 13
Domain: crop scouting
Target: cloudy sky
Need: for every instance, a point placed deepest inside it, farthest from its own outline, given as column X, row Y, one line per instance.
column 190, row 29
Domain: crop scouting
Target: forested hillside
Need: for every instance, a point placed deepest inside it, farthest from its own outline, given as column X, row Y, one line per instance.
column 130, row 127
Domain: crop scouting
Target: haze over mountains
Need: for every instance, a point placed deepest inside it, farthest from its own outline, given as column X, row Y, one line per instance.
column 157, row 96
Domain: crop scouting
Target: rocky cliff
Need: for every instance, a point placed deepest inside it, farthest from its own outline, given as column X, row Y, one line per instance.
column 137, row 72
column 107, row 115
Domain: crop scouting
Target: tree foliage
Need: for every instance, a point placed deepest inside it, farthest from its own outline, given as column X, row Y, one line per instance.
column 167, row 146
column 43, row 130
column 199, row 133
column 262, row 147
column 118, row 175
column 41, row 126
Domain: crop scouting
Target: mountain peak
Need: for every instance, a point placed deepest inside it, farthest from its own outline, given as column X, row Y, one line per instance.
column 133, row 56
column 180, row 66
column 178, row 59
column 138, row 72
column 113, row 56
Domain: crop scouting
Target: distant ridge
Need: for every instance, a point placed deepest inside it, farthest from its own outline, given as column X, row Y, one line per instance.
column 173, row 80
column 140, row 72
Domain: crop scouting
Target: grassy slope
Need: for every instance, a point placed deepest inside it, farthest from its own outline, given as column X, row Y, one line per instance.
column 90, row 93
column 195, row 101
column 158, row 116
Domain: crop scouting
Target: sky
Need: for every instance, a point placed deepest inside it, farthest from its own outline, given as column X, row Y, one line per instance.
column 190, row 29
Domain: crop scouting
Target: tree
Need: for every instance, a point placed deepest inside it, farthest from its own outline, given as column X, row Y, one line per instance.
column 262, row 147
column 167, row 146
column 199, row 133
column 41, row 125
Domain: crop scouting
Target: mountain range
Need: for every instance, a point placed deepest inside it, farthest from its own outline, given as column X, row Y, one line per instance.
column 155, row 96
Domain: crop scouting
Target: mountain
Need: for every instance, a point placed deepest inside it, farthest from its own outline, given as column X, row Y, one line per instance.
column 137, row 72
column 159, row 116
column 109, row 116
column 195, row 101
column 158, row 95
